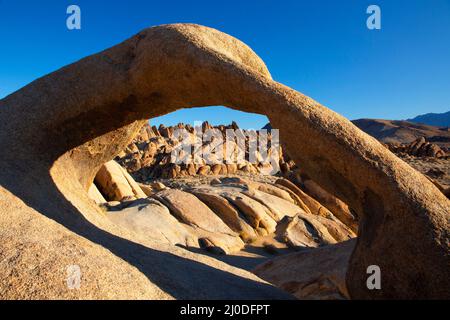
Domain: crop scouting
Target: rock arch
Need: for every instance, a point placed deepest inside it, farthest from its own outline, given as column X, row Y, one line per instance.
column 58, row 130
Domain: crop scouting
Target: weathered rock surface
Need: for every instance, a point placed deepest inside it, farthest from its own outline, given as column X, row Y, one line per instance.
column 204, row 222
column 152, row 219
column 237, row 202
column 192, row 211
column 313, row 273
column 107, row 99
column 313, row 205
column 227, row 213
column 264, row 211
column 303, row 231
column 257, row 215
column 435, row 169
column 341, row 224
column 278, row 207
column 116, row 184
column 339, row 209
column 95, row 194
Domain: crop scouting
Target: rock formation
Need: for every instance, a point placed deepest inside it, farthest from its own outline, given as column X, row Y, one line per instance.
column 83, row 115
column 148, row 156
column 427, row 158
column 220, row 216
column 152, row 219
column 204, row 222
column 418, row 148
column 312, row 273
column 404, row 132
column 115, row 182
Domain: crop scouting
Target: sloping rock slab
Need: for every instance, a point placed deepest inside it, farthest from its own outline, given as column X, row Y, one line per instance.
column 205, row 223
column 303, row 231
column 227, row 213
column 279, row 207
column 258, row 216
column 311, row 274
column 116, row 184
column 152, row 219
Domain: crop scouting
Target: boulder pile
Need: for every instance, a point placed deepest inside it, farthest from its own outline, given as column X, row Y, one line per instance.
column 148, row 156
column 430, row 159
column 418, row 148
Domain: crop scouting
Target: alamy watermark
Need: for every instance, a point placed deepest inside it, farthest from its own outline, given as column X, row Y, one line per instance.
column 374, row 280
column 73, row 279
column 73, row 21
column 374, row 20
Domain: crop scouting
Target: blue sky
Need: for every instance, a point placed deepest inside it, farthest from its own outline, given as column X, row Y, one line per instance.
column 320, row 48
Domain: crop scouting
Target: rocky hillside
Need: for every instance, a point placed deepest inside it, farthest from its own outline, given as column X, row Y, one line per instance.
column 393, row 131
column 424, row 147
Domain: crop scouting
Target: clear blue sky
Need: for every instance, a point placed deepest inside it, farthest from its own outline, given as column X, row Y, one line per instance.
column 321, row 48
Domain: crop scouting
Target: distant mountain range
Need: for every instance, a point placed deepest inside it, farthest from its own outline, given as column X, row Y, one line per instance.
column 433, row 119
